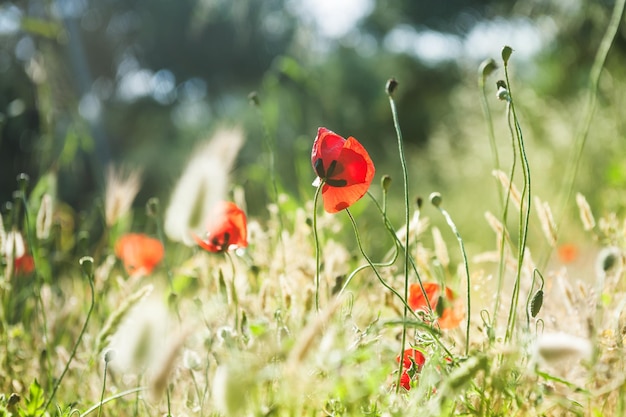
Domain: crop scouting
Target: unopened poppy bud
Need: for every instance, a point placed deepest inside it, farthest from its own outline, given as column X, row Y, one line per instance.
column 391, row 86
column 385, row 182
column 487, row 67
column 109, row 355
column 13, row 400
column 503, row 92
column 536, row 303
column 253, row 97
column 440, row 307
column 506, row 54
column 22, row 181
column 152, row 207
column 86, row 263
column 435, row 199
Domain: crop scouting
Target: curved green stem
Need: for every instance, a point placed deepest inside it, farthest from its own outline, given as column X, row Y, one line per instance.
column 407, row 219
column 505, row 212
column 383, row 282
column 450, row 222
column 317, row 249
column 90, row 277
column 524, row 213
column 590, row 102
column 112, row 398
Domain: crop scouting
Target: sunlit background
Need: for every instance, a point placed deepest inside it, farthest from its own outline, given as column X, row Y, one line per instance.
column 87, row 83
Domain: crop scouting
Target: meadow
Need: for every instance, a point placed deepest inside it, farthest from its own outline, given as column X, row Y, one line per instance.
column 360, row 300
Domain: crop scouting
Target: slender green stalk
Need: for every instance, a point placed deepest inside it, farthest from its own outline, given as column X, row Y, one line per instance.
column 391, row 86
column 104, row 384
column 505, row 212
column 450, row 222
column 395, row 249
column 32, row 247
column 317, row 249
column 87, row 267
column 112, row 398
column 385, row 284
column 590, row 103
column 271, row 146
column 524, row 211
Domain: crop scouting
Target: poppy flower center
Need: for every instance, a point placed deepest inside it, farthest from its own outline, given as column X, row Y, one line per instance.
column 326, row 175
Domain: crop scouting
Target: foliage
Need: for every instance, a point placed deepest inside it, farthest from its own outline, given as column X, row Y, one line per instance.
column 492, row 298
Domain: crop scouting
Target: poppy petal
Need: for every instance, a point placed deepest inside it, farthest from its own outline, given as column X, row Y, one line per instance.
column 226, row 229
column 139, row 253
column 326, row 147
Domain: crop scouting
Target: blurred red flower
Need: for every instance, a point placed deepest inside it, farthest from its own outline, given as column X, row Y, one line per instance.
column 568, row 253
column 24, row 265
column 452, row 313
column 343, row 167
column 226, row 229
column 412, row 363
column 412, row 357
column 139, row 253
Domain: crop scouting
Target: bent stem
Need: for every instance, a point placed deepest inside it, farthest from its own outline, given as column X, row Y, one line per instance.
column 524, row 213
column 392, row 290
column 317, row 248
column 90, row 277
column 450, row 222
column 112, row 398
column 590, row 103
column 405, row 182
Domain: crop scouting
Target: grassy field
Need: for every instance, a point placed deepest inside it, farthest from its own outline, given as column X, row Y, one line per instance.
column 200, row 310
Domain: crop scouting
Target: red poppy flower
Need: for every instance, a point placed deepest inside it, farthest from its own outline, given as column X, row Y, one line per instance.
column 139, row 253
column 405, row 380
column 452, row 314
column 24, row 265
column 343, row 167
column 226, row 229
column 568, row 253
column 412, row 356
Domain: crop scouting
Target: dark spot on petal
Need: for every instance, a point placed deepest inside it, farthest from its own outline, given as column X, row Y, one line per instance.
column 337, row 183
column 331, row 169
column 319, row 168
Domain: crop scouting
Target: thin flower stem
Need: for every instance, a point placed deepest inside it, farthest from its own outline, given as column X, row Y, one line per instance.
column 407, row 219
column 400, row 245
column 39, row 279
column 90, row 277
column 524, row 213
column 505, row 212
column 112, row 398
column 104, row 384
column 395, row 249
column 450, row 222
column 317, row 248
column 383, row 282
column 590, row 105
column 271, row 145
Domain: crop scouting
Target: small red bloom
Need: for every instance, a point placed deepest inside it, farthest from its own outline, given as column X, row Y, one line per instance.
column 24, row 265
column 452, row 314
column 139, row 253
column 226, row 230
column 412, row 362
column 405, row 380
column 344, row 169
column 568, row 253
column 412, row 356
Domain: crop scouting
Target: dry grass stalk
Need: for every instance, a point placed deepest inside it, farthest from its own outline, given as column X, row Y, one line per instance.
column 586, row 216
column 122, row 185
column 508, row 187
column 115, row 319
column 441, row 250
column 548, row 226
